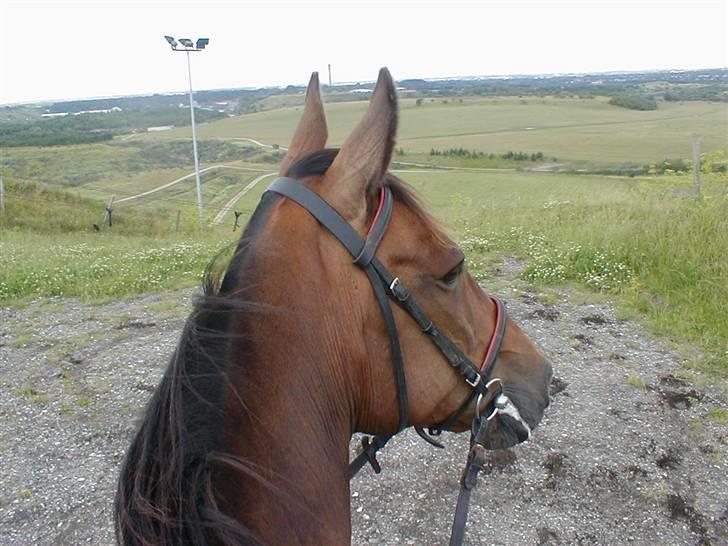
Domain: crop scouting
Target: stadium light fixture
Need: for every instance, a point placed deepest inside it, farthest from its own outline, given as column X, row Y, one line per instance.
column 189, row 46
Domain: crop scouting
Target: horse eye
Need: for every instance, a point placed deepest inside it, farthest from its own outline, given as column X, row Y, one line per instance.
column 452, row 275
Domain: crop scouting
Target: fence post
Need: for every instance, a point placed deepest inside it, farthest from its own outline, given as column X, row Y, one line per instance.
column 237, row 216
column 176, row 225
column 2, row 195
column 696, row 165
column 109, row 210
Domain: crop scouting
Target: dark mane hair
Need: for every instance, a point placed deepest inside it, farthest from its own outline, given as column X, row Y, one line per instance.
column 166, row 492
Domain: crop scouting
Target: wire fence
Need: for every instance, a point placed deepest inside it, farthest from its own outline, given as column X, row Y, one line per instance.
column 166, row 200
column 178, row 213
column 108, row 191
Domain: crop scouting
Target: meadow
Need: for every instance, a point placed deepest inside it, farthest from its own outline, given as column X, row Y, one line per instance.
column 570, row 129
column 641, row 240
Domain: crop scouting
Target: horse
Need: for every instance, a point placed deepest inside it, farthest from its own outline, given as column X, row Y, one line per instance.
column 291, row 351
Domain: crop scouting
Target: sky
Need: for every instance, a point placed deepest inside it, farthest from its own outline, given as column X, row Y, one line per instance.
column 61, row 49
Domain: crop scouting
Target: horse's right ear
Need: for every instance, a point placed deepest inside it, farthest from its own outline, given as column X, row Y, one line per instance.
column 311, row 133
column 364, row 157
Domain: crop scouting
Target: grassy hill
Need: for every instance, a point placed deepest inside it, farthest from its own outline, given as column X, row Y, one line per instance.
column 640, row 238
column 567, row 128
column 661, row 254
column 123, row 169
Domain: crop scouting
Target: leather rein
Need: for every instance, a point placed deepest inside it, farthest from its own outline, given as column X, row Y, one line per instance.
column 387, row 287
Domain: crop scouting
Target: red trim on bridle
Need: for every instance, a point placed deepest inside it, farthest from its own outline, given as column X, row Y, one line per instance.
column 379, row 210
column 493, row 344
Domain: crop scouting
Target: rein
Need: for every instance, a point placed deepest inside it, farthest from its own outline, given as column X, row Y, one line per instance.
column 387, row 287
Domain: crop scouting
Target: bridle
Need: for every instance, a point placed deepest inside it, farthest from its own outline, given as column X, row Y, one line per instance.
column 388, row 287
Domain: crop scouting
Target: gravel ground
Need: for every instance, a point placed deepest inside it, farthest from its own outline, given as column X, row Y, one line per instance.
column 628, row 452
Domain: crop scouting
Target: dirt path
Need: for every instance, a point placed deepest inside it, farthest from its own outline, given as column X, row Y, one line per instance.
column 182, row 179
column 231, row 203
column 628, row 453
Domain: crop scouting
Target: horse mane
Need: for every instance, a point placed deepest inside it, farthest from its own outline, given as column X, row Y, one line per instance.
column 166, row 493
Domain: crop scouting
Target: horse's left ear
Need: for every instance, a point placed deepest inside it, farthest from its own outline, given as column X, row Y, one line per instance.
column 365, row 154
column 311, row 133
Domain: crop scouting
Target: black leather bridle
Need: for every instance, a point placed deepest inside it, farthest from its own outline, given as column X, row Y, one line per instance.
column 388, row 287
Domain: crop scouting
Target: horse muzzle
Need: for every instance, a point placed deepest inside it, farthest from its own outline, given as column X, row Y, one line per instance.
column 513, row 415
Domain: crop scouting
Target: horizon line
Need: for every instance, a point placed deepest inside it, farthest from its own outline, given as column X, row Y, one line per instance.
column 353, row 82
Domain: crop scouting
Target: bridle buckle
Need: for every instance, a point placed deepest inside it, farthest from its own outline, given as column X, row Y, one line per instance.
column 474, row 383
column 399, row 290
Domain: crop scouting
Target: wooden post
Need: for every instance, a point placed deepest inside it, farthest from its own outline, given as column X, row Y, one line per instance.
column 237, row 216
column 109, row 210
column 696, row 165
column 2, row 195
column 176, row 225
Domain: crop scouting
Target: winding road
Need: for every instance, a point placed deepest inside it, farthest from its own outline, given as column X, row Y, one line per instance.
column 182, row 179
column 231, row 203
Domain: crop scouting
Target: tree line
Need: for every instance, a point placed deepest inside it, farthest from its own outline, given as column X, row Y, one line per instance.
column 88, row 128
column 477, row 154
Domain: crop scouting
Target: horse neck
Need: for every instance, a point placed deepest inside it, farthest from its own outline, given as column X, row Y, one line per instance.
column 289, row 415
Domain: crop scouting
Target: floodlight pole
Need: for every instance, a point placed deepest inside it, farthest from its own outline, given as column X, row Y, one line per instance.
column 188, row 46
column 200, row 207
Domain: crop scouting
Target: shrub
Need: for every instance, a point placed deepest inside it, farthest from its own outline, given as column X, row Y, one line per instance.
column 634, row 102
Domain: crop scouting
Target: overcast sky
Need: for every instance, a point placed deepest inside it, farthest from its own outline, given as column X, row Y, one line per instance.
column 60, row 49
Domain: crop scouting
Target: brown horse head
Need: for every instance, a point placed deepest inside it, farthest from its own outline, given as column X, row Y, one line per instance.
column 430, row 264
column 246, row 439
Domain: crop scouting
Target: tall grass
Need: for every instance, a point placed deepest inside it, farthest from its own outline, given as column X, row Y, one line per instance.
column 33, row 265
column 665, row 254
column 49, row 247
column 41, row 208
column 662, row 253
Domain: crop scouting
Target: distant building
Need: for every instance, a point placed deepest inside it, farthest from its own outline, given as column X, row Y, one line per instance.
column 100, row 111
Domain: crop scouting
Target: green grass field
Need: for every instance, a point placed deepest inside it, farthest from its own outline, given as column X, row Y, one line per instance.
column 658, row 253
column 568, row 129
column 662, row 254
column 578, row 131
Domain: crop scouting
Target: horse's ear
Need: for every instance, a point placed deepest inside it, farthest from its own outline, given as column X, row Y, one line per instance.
column 311, row 133
column 365, row 155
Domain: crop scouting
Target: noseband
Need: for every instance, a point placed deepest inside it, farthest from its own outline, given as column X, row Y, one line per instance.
column 386, row 287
